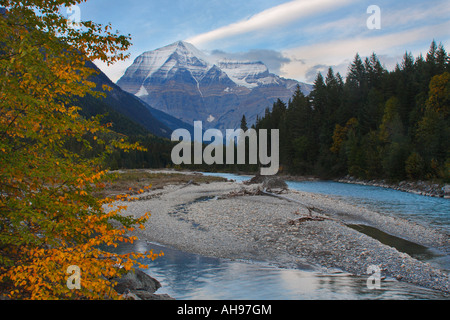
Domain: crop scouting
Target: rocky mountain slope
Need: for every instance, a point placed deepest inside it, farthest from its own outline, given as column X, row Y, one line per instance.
column 128, row 113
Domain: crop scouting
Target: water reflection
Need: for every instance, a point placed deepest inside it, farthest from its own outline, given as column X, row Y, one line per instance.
column 413, row 249
column 187, row 276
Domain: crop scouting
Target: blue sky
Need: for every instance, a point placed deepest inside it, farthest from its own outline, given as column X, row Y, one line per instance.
column 295, row 38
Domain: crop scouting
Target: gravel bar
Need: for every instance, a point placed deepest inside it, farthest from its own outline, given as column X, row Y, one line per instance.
column 204, row 219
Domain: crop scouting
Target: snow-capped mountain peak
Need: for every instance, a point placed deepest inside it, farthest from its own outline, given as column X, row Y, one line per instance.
column 166, row 60
column 186, row 83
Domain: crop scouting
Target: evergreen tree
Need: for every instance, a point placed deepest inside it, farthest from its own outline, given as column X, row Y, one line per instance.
column 244, row 126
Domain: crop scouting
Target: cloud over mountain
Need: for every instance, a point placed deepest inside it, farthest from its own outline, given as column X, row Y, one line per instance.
column 274, row 60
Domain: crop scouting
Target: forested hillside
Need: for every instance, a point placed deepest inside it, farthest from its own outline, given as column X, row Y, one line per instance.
column 374, row 124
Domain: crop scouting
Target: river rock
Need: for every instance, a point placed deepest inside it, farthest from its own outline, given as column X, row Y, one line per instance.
column 268, row 182
column 446, row 190
column 145, row 295
column 258, row 179
column 274, row 183
column 137, row 280
column 137, row 285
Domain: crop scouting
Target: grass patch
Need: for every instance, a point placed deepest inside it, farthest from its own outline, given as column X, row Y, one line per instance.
column 131, row 181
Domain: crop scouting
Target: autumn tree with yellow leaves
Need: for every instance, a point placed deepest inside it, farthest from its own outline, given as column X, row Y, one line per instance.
column 49, row 217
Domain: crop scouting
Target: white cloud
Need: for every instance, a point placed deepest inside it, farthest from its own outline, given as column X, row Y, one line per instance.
column 270, row 18
column 274, row 60
column 422, row 14
column 334, row 53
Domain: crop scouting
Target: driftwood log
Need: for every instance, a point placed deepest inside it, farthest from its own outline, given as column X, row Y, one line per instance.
column 302, row 219
column 310, row 209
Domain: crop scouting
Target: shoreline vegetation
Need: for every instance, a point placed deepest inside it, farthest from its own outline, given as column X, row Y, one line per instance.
column 238, row 221
column 424, row 188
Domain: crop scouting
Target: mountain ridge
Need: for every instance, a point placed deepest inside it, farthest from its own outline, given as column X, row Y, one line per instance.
column 186, row 83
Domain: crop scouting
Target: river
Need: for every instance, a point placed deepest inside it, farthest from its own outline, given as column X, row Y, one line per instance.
column 188, row 276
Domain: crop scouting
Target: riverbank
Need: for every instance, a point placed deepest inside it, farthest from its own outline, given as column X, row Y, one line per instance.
column 424, row 188
column 228, row 220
